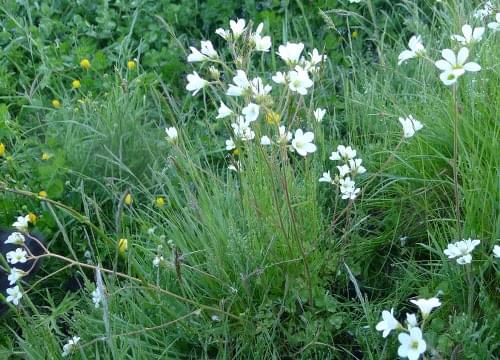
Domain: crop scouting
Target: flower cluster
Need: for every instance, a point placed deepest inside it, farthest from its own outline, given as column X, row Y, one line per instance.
column 17, row 256
column 411, row 339
column 485, row 11
column 348, row 171
column 245, row 99
column 461, row 250
column 453, row 65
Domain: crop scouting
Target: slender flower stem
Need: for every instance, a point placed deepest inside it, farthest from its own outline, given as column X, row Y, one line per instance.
column 297, row 236
column 470, row 283
column 455, row 161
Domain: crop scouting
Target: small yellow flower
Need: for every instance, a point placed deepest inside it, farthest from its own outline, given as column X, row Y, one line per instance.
column 2, row 149
column 85, row 64
column 131, row 65
column 45, row 156
column 32, row 218
column 56, row 104
column 42, row 194
column 122, row 245
column 354, row 34
column 128, row 199
column 160, row 201
column 75, row 84
column 237, row 151
column 273, row 118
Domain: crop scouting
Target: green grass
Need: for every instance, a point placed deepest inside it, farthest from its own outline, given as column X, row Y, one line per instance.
column 264, row 263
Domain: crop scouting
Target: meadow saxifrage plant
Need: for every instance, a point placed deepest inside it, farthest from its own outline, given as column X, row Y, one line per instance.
column 244, row 101
column 411, row 340
column 461, row 250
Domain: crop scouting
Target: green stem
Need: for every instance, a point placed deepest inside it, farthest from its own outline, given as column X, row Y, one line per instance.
column 456, row 161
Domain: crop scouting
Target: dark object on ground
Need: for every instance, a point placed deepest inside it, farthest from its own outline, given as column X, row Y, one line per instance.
column 34, row 247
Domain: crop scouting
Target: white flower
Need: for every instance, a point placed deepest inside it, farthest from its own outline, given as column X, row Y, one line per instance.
column 410, row 126
column 354, row 1
column 16, row 238
column 326, row 177
column 455, row 66
column 258, row 87
column 14, row 295
column 21, row 223
column 17, row 256
column 208, row 49
column 319, row 114
column 302, row 142
column 290, row 53
column 69, row 347
column 461, row 250
column 495, row 25
column 242, row 130
column 207, row 52
column 196, row 55
column 157, row 260
column 350, row 193
column 230, row 145
column 15, row 275
column 344, row 153
column 279, row 78
column 343, row 170
column 416, row 48
column 171, row 134
column 262, row 43
column 284, row 136
column 241, row 84
column 237, row 27
column 412, row 345
column 388, row 323
column 265, row 140
column 426, row 305
column 346, row 184
column 496, row 251
column 299, row 80
column 97, row 297
column 223, row 33
column 195, row 83
column 411, row 320
column 487, row 10
column 316, row 57
column 251, row 112
column 355, row 166
column 224, row 111
column 469, row 35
